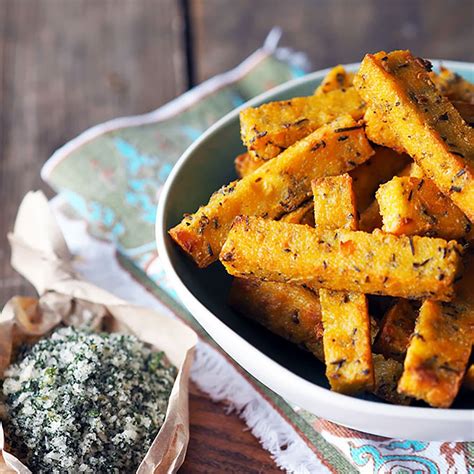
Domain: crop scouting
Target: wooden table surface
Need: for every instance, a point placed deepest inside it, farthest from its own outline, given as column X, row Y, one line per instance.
column 66, row 65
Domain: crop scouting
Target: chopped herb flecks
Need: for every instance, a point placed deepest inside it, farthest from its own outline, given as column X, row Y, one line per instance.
column 84, row 402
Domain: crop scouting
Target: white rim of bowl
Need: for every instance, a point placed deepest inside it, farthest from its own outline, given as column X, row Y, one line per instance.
column 335, row 399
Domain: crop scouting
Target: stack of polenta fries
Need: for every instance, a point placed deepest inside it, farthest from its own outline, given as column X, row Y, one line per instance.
column 364, row 188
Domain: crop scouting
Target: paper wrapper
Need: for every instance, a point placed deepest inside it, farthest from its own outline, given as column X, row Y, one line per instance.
column 40, row 254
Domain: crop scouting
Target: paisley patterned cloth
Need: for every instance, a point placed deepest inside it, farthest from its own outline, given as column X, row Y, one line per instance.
column 111, row 177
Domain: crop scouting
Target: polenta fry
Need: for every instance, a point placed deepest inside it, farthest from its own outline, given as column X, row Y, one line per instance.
column 336, row 78
column 346, row 321
column 274, row 189
column 334, row 203
column 271, row 128
column 440, row 346
column 291, row 312
column 408, row 113
column 377, row 263
column 346, row 341
column 414, row 206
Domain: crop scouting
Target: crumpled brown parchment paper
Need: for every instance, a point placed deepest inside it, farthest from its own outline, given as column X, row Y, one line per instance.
column 40, row 254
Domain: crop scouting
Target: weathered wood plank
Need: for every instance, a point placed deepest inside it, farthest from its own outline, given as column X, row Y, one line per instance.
column 330, row 31
column 220, row 442
column 67, row 65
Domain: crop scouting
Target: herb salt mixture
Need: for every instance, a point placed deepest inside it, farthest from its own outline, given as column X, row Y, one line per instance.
column 85, row 402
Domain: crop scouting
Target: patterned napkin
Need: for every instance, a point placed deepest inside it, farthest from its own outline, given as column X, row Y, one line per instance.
column 111, row 177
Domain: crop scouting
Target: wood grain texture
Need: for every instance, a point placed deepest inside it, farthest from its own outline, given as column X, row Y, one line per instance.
column 67, row 65
column 330, row 31
column 220, row 442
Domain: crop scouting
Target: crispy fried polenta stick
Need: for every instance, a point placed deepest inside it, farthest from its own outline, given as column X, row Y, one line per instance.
column 302, row 215
column 395, row 330
column 380, row 168
column 292, row 312
column 452, row 85
column 414, row 206
column 275, row 188
column 336, row 78
column 377, row 263
column 371, row 219
column 437, row 355
column 366, row 177
column 346, row 338
column 409, row 114
column 271, row 128
column 334, row 203
column 387, row 374
column 346, row 341
column 440, row 346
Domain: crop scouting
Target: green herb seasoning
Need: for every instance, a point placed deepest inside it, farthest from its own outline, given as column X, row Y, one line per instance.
column 85, row 402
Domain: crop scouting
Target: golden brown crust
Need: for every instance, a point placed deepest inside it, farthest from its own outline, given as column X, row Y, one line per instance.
column 271, row 128
column 274, row 189
column 440, row 346
column 377, row 263
column 406, row 112
column 415, row 206
column 289, row 311
column 346, row 341
column 377, row 170
column 334, row 202
column 336, row 78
